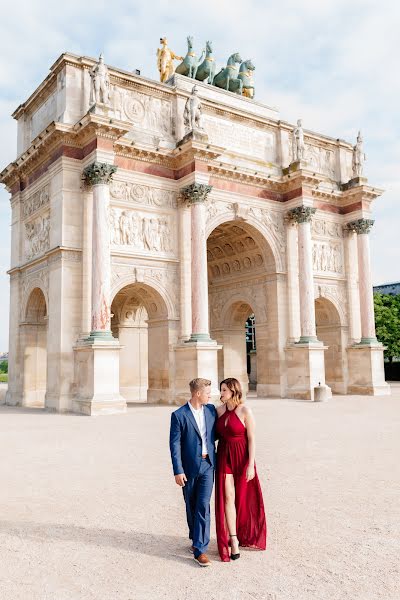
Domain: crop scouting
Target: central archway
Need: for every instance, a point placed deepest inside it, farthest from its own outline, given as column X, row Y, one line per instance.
column 243, row 282
column 140, row 322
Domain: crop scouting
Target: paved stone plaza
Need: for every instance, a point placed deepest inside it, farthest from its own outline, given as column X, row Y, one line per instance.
column 90, row 510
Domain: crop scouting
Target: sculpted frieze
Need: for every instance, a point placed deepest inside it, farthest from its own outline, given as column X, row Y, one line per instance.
column 148, row 233
column 323, row 228
column 142, row 194
column 327, row 257
column 36, row 201
column 144, row 111
column 322, row 160
column 37, row 236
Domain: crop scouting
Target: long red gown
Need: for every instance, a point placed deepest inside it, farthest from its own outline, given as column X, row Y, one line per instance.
column 233, row 457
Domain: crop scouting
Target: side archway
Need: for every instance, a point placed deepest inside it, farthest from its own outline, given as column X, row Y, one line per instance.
column 333, row 335
column 34, row 344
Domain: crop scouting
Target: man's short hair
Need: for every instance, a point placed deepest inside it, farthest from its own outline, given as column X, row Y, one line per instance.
column 198, row 384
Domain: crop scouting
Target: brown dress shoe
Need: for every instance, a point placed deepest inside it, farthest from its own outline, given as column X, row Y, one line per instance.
column 203, row 560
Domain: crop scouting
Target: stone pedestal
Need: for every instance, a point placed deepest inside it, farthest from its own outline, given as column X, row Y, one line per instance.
column 195, row 359
column 366, row 371
column 306, row 370
column 97, row 378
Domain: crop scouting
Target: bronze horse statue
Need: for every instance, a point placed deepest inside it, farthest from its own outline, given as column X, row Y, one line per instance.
column 189, row 64
column 246, row 75
column 227, row 78
column 207, row 68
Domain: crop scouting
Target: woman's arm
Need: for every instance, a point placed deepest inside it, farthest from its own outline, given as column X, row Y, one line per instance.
column 251, row 437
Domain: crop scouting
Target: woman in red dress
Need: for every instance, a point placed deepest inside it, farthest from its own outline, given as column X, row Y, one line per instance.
column 239, row 507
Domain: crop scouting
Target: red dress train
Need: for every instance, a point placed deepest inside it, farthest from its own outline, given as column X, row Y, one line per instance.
column 233, row 457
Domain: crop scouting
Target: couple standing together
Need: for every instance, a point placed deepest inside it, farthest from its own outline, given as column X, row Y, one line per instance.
column 239, row 507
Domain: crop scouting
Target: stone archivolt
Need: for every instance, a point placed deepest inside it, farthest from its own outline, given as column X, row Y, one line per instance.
column 147, row 233
column 35, row 279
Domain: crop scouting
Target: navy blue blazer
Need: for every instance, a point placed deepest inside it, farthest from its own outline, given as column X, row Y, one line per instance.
column 185, row 440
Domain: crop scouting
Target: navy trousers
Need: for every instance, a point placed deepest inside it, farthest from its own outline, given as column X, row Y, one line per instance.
column 197, row 495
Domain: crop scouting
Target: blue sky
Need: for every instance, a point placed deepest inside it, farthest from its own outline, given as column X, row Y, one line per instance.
column 332, row 62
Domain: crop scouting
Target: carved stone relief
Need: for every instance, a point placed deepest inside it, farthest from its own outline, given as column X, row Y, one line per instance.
column 322, row 160
column 37, row 236
column 152, row 234
column 36, row 201
column 37, row 278
column 146, row 112
column 254, row 295
column 142, row 194
column 326, row 228
column 335, row 293
column 214, row 208
column 274, row 222
column 327, row 257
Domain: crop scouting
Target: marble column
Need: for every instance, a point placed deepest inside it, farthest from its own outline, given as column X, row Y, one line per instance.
column 185, row 270
column 362, row 227
column 99, row 175
column 302, row 215
column 293, row 299
column 87, row 226
column 196, row 194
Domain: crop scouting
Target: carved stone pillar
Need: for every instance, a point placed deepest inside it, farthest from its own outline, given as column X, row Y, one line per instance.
column 362, row 228
column 293, row 299
column 87, row 228
column 196, row 194
column 185, row 253
column 302, row 215
column 99, row 175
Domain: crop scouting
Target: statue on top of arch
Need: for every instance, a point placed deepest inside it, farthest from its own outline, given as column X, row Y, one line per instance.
column 100, row 83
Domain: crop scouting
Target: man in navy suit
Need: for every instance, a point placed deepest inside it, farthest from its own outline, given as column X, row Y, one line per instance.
column 192, row 445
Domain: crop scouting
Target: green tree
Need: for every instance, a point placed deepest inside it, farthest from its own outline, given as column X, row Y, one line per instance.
column 387, row 321
column 4, row 366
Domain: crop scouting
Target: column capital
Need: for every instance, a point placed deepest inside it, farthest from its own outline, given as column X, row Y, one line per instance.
column 301, row 214
column 360, row 225
column 196, row 192
column 98, row 172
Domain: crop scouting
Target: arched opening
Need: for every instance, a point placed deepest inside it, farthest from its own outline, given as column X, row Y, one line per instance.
column 34, row 344
column 330, row 332
column 242, row 285
column 140, row 322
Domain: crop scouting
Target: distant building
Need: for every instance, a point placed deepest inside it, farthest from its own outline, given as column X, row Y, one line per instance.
column 388, row 288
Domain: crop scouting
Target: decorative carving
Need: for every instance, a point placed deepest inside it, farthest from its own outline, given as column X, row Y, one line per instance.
column 33, row 279
column 38, row 236
column 196, row 192
column 36, row 201
column 326, row 228
column 301, row 214
column 192, row 115
column 100, row 83
column 152, row 234
column 335, row 293
column 361, row 226
column 358, row 157
column 142, row 194
column 274, row 223
column 144, row 111
column 327, row 257
column 98, row 172
column 298, row 142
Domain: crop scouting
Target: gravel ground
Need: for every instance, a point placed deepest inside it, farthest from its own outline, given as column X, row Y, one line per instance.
column 89, row 508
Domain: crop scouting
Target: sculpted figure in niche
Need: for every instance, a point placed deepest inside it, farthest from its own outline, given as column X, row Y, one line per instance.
column 192, row 116
column 100, row 88
column 358, row 157
column 298, row 142
column 124, row 225
column 165, row 60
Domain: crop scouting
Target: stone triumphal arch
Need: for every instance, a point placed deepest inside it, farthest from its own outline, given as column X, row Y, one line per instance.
column 151, row 245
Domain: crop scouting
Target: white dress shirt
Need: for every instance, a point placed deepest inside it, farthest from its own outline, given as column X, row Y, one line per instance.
column 201, row 424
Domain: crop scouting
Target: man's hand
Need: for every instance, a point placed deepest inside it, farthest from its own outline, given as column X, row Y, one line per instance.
column 180, row 479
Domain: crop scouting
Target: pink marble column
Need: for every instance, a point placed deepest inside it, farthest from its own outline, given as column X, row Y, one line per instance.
column 362, row 227
column 196, row 195
column 99, row 176
column 302, row 215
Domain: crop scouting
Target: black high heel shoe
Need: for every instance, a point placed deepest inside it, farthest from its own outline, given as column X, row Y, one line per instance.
column 234, row 556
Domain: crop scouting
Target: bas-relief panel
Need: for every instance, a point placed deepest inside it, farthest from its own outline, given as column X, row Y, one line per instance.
column 44, row 115
column 327, row 257
column 37, row 236
column 329, row 229
column 36, row 201
column 142, row 194
column 145, row 112
column 148, row 233
column 245, row 140
column 322, row 160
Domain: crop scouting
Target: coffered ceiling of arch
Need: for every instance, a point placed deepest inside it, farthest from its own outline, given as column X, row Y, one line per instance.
column 233, row 251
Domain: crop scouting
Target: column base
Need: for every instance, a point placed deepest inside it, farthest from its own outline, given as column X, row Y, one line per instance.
column 195, row 359
column 200, row 337
column 99, row 336
column 97, row 378
column 366, row 370
column 306, row 371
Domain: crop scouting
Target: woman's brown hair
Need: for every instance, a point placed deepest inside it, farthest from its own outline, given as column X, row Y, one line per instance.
column 234, row 386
